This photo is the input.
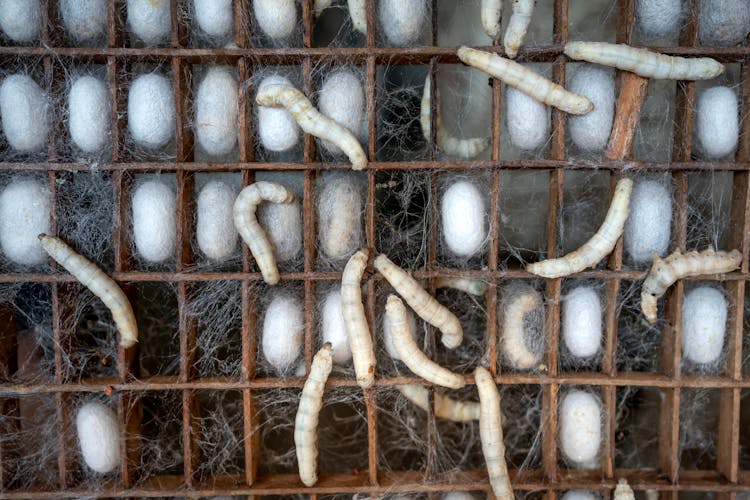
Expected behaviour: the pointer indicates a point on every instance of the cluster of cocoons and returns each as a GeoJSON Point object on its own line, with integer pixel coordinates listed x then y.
{"type": "Point", "coordinates": [649, 223]}
{"type": "Point", "coordinates": [582, 322]}
{"type": "Point", "coordinates": [85, 20]}
{"type": "Point", "coordinates": [527, 119]}
{"type": "Point", "coordinates": [98, 437]}
{"type": "Point", "coordinates": [150, 20]}
{"type": "Point", "coordinates": [717, 122]}
{"type": "Point", "coordinates": [339, 217]}
{"type": "Point", "coordinates": [283, 332]}
{"type": "Point", "coordinates": [89, 114]}
{"type": "Point", "coordinates": [24, 214]}
{"type": "Point", "coordinates": [277, 129]}
{"type": "Point", "coordinates": [402, 21]}
{"type": "Point", "coordinates": [216, 110]}
{"type": "Point", "coordinates": [723, 22]}
{"type": "Point", "coordinates": [20, 20]}
{"type": "Point", "coordinates": [24, 111]}
{"type": "Point", "coordinates": [277, 19]}
{"type": "Point", "coordinates": [463, 216]}
{"type": "Point", "coordinates": [590, 132]}
{"type": "Point", "coordinates": [659, 18]}
{"type": "Point", "coordinates": [151, 116]}
{"type": "Point", "coordinates": [343, 100]}
{"type": "Point", "coordinates": [154, 221]}
{"type": "Point", "coordinates": [214, 17]}
{"type": "Point", "coordinates": [215, 231]}
{"type": "Point", "coordinates": [704, 320]}
{"type": "Point", "coordinates": [580, 428]}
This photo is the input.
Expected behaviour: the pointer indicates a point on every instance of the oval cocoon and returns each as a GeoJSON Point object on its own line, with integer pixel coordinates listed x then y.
{"type": "Point", "coordinates": [215, 231]}
{"type": "Point", "coordinates": [527, 120]}
{"type": "Point", "coordinates": [723, 22]}
{"type": "Point", "coordinates": [717, 122]}
{"type": "Point", "coordinates": [333, 328]}
{"type": "Point", "coordinates": [24, 215]}
{"type": "Point", "coordinates": [19, 19]}
{"type": "Point", "coordinates": [402, 20]}
{"type": "Point", "coordinates": [659, 18]}
{"type": "Point", "coordinates": [150, 20]}
{"type": "Point", "coordinates": [98, 437]}
{"type": "Point", "coordinates": [649, 222]}
{"type": "Point", "coordinates": [343, 100]}
{"type": "Point", "coordinates": [580, 427]}
{"type": "Point", "coordinates": [582, 321]}
{"type": "Point", "coordinates": [276, 18]}
{"type": "Point", "coordinates": [340, 217]}
{"type": "Point", "coordinates": [214, 17]}
{"type": "Point", "coordinates": [84, 19]}
{"type": "Point", "coordinates": [216, 112]}
{"type": "Point", "coordinates": [704, 323]}
{"type": "Point", "coordinates": [591, 131]}
{"type": "Point", "coordinates": [388, 336]}
{"type": "Point", "coordinates": [88, 112]}
{"type": "Point", "coordinates": [283, 225]}
{"type": "Point", "coordinates": [283, 329]}
{"type": "Point", "coordinates": [463, 218]}
{"type": "Point", "coordinates": [23, 106]}
{"type": "Point", "coordinates": [151, 118]}
{"type": "Point", "coordinates": [276, 127]}
{"type": "Point", "coordinates": [154, 221]}
{"type": "Point", "coordinates": [580, 495]}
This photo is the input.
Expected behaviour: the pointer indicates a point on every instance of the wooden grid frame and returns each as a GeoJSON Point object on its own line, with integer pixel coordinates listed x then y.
{"type": "Point", "coordinates": [726, 479]}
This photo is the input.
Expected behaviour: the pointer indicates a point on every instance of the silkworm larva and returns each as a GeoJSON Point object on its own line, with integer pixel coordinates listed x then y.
{"type": "Point", "coordinates": [491, 434]}
{"type": "Point", "coordinates": [448, 143]}
{"type": "Point", "coordinates": [526, 80]}
{"type": "Point", "coordinates": [357, 329]}
{"type": "Point", "coordinates": [514, 331]}
{"type": "Point", "coordinates": [99, 283]}
{"type": "Point", "coordinates": [421, 302]}
{"type": "Point", "coordinates": [665, 272]}
{"type": "Point", "coordinates": [358, 13]}
{"type": "Point", "coordinates": [623, 491]}
{"type": "Point", "coordinates": [517, 26]}
{"type": "Point", "coordinates": [246, 223]}
{"type": "Point", "coordinates": [491, 13]}
{"type": "Point", "coordinates": [644, 62]}
{"type": "Point", "coordinates": [445, 407]}
{"type": "Point", "coordinates": [471, 286]}
{"type": "Point", "coordinates": [306, 421]}
{"type": "Point", "coordinates": [598, 247]}
{"type": "Point", "coordinates": [409, 352]}
{"type": "Point", "coordinates": [313, 121]}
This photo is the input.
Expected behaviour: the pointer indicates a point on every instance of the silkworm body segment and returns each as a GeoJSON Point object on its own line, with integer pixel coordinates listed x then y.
{"type": "Point", "coordinates": [357, 329]}
{"type": "Point", "coordinates": [445, 407]}
{"type": "Point", "coordinates": [491, 13]}
{"type": "Point", "coordinates": [518, 25]}
{"type": "Point", "coordinates": [491, 434]}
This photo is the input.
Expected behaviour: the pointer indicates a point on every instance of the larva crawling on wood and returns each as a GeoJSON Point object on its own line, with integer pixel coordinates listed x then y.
{"type": "Point", "coordinates": [491, 13]}
{"type": "Point", "coordinates": [472, 286]}
{"type": "Point", "coordinates": [513, 342]}
{"type": "Point", "coordinates": [355, 321]}
{"type": "Point", "coordinates": [100, 285]}
{"type": "Point", "coordinates": [313, 121]}
{"type": "Point", "coordinates": [644, 62]}
{"type": "Point", "coordinates": [446, 142]}
{"type": "Point", "coordinates": [623, 491]}
{"type": "Point", "coordinates": [599, 246]}
{"type": "Point", "coordinates": [306, 421]}
{"type": "Point", "coordinates": [665, 272]}
{"type": "Point", "coordinates": [526, 80]}
{"type": "Point", "coordinates": [409, 352]}
{"type": "Point", "coordinates": [445, 407]}
{"type": "Point", "coordinates": [246, 223]}
{"type": "Point", "coordinates": [517, 26]}
{"type": "Point", "coordinates": [421, 302]}
{"type": "Point", "coordinates": [491, 434]}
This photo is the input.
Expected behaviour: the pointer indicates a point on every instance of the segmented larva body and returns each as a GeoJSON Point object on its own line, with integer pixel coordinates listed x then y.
{"type": "Point", "coordinates": [517, 26]}
{"type": "Point", "coordinates": [472, 286]}
{"type": "Point", "coordinates": [100, 285]}
{"type": "Point", "coordinates": [526, 80]}
{"type": "Point", "coordinates": [358, 13]}
{"type": "Point", "coordinates": [491, 13]}
{"type": "Point", "coordinates": [246, 223]}
{"type": "Point", "coordinates": [599, 246]}
{"type": "Point", "coordinates": [306, 421]}
{"type": "Point", "coordinates": [313, 121]}
{"type": "Point", "coordinates": [446, 142]}
{"type": "Point", "coordinates": [623, 491]}
{"type": "Point", "coordinates": [644, 62]}
{"type": "Point", "coordinates": [665, 272]}
{"type": "Point", "coordinates": [513, 342]}
{"type": "Point", "coordinates": [421, 302]}
{"type": "Point", "coordinates": [445, 407]}
{"type": "Point", "coordinates": [355, 321]}
{"type": "Point", "coordinates": [409, 352]}
{"type": "Point", "coordinates": [491, 434]}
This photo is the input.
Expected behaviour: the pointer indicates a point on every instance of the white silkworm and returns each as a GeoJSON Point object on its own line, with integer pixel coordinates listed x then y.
{"type": "Point", "coordinates": [409, 352]}
{"type": "Point", "coordinates": [447, 142]}
{"type": "Point", "coordinates": [244, 210]}
{"type": "Point", "coordinates": [644, 62]}
{"type": "Point", "coordinates": [308, 413]}
{"type": "Point", "coordinates": [421, 302]}
{"type": "Point", "coordinates": [100, 285]}
{"type": "Point", "coordinates": [491, 434]}
{"type": "Point", "coordinates": [358, 13]}
{"type": "Point", "coordinates": [491, 12]}
{"type": "Point", "coordinates": [312, 121]}
{"type": "Point", "coordinates": [388, 336]}
{"type": "Point", "coordinates": [514, 336]}
{"type": "Point", "coordinates": [623, 491]}
{"type": "Point", "coordinates": [357, 329]}
{"type": "Point", "coordinates": [445, 407]}
{"type": "Point", "coordinates": [472, 286]}
{"type": "Point", "coordinates": [98, 437]}
{"type": "Point", "coordinates": [598, 247]}
{"type": "Point", "coordinates": [517, 26]}
{"type": "Point", "coordinates": [526, 80]}
{"type": "Point", "coordinates": [665, 272]}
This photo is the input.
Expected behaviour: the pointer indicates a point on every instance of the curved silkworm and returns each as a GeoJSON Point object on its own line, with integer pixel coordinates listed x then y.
{"type": "Point", "coordinates": [517, 26]}
{"type": "Point", "coordinates": [514, 339]}
{"type": "Point", "coordinates": [491, 434]}
{"type": "Point", "coordinates": [308, 413]}
{"type": "Point", "coordinates": [644, 62]}
{"type": "Point", "coordinates": [445, 407]}
{"type": "Point", "coordinates": [355, 321]}
{"type": "Point", "coordinates": [246, 223]}
{"type": "Point", "coordinates": [99, 283]}
{"type": "Point", "coordinates": [491, 12]}
{"type": "Point", "coordinates": [313, 121]}
{"type": "Point", "coordinates": [527, 81]}
{"type": "Point", "coordinates": [665, 272]}
{"type": "Point", "coordinates": [472, 286]}
{"type": "Point", "coordinates": [599, 246]}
